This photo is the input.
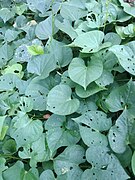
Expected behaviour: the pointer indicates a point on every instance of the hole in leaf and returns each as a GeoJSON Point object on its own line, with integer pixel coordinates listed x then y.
{"type": "Point", "coordinates": [90, 50]}
{"type": "Point", "coordinates": [113, 140]}
{"type": "Point", "coordinates": [16, 71]}
{"type": "Point", "coordinates": [30, 150]}
{"type": "Point", "coordinates": [71, 168]}
{"type": "Point", "coordinates": [84, 125]}
{"type": "Point", "coordinates": [24, 139]}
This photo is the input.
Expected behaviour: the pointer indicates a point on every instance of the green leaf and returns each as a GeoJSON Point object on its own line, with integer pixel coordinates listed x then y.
{"type": "Point", "coordinates": [91, 124]}
{"type": "Point", "coordinates": [48, 175]}
{"type": "Point", "coordinates": [6, 14]}
{"type": "Point", "coordinates": [118, 134]}
{"type": "Point", "coordinates": [11, 35]}
{"type": "Point", "coordinates": [73, 10]}
{"type": "Point", "coordinates": [25, 130]}
{"type": "Point", "coordinates": [41, 65]}
{"type": "Point", "coordinates": [104, 164]}
{"type": "Point", "coordinates": [37, 151]}
{"type": "Point", "coordinates": [44, 29]}
{"type": "Point", "coordinates": [121, 97]}
{"type": "Point", "coordinates": [66, 27]}
{"type": "Point", "coordinates": [35, 50]}
{"type": "Point", "coordinates": [60, 133]}
{"type": "Point", "coordinates": [66, 165]}
{"type": "Point", "coordinates": [40, 5]}
{"type": "Point", "coordinates": [89, 42]}
{"type": "Point", "coordinates": [2, 166]}
{"type": "Point", "coordinates": [113, 38]}
{"type": "Point", "coordinates": [125, 55]}
{"type": "Point", "coordinates": [15, 172]}
{"type": "Point", "coordinates": [20, 9]}
{"type": "Point", "coordinates": [105, 79]}
{"type": "Point", "coordinates": [14, 69]}
{"type": "Point", "coordinates": [22, 54]}
{"type": "Point", "coordinates": [3, 128]}
{"type": "Point", "coordinates": [6, 53]}
{"type": "Point", "coordinates": [26, 104]}
{"type": "Point", "coordinates": [82, 74]}
{"type": "Point", "coordinates": [87, 105]}
{"type": "Point", "coordinates": [128, 8]}
{"type": "Point", "coordinates": [62, 54]}
{"type": "Point", "coordinates": [125, 158]}
{"type": "Point", "coordinates": [10, 81]}
{"type": "Point", "coordinates": [9, 146]}
{"type": "Point", "coordinates": [59, 100]}
{"type": "Point", "coordinates": [37, 90]}
{"type": "Point", "coordinates": [133, 163]}
{"type": "Point", "coordinates": [91, 89]}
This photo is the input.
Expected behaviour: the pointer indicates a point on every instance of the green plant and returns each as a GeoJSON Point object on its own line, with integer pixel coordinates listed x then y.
{"type": "Point", "coordinates": [67, 89]}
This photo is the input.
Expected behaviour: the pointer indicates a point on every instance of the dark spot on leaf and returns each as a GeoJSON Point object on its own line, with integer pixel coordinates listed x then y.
{"type": "Point", "coordinates": [84, 125]}
{"type": "Point", "coordinates": [24, 139]}
{"type": "Point", "coordinates": [129, 59]}
{"type": "Point", "coordinates": [93, 174]}
{"type": "Point", "coordinates": [16, 71]}
{"type": "Point", "coordinates": [30, 150]}
{"type": "Point", "coordinates": [71, 168]}
{"type": "Point", "coordinates": [113, 140]}
{"type": "Point", "coordinates": [83, 31]}
{"type": "Point", "coordinates": [90, 50]}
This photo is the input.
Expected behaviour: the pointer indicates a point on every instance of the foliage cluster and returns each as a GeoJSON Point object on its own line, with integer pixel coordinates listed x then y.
{"type": "Point", "coordinates": [67, 89]}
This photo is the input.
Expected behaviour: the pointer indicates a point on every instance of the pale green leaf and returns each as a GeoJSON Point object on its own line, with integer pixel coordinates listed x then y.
{"type": "Point", "coordinates": [82, 74]}
{"type": "Point", "coordinates": [59, 100]}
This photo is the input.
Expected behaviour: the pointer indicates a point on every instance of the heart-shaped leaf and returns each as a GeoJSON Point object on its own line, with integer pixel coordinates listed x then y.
{"type": "Point", "coordinates": [93, 88]}
{"type": "Point", "coordinates": [126, 56]}
{"type": "Point", "coordinates": [59, 100]}
{"type": "Point", "coordinates": [104, 164]}
{"type": "Point", "coordinates": [91, 125]}
{"type": "Point", "coordinates": [60, 133]}
{"type": "Point", "coordinates": [90, 41]}
{"type": "Point", "coordinates": [82, 74]}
